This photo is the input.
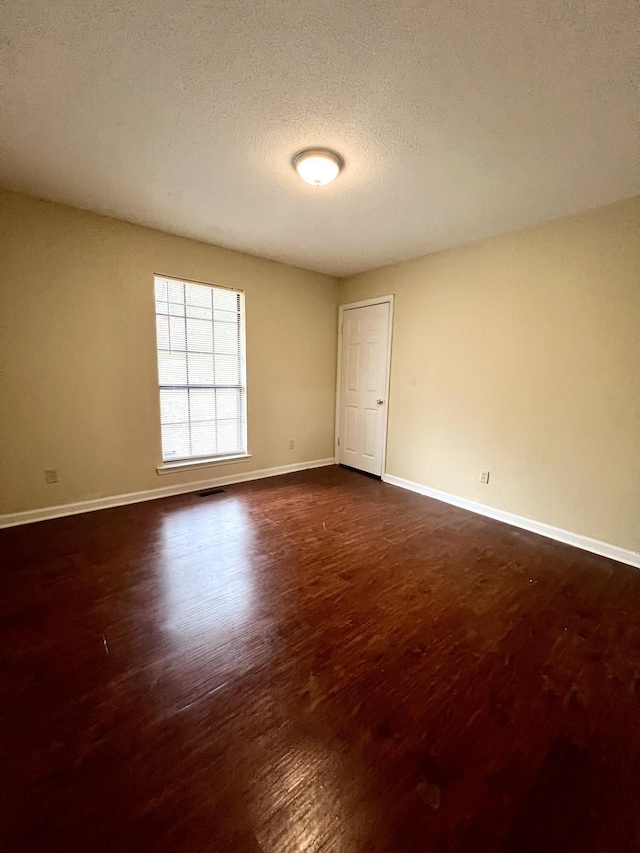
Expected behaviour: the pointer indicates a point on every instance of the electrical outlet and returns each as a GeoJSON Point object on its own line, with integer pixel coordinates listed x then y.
{"type": "Point", "coordinates": [50, 475]}
{"type": "Point", "coordinates": [292, 444]}
{"type": "Point", "coordinates": [484, 477]}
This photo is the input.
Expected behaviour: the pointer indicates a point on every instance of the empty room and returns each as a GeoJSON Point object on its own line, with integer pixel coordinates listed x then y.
{"type": "Point", "coordinates": [320, 427]}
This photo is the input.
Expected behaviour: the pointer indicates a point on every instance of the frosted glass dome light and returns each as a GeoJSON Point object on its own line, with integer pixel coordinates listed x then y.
{"type": "Point", "coordinates": [318, 166]}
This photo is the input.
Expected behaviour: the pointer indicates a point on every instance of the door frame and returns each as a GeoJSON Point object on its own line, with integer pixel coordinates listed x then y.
{"type": "Point", "coordinates": [363, 303]}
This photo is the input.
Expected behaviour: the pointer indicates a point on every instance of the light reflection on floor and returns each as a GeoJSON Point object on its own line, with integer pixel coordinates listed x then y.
{"type": "Point", "coordinates": [305, 794]}
{"type": "Point", "coordinates": [211, 592]}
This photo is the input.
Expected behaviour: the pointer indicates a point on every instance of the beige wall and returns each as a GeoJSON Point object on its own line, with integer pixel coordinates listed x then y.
{"type": "Point", "coordinates": [78, 380]}
{"type": "Point", "coordinates": [521, 355]}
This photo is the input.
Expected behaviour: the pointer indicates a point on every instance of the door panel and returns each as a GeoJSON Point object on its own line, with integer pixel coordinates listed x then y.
{"type": "Point", "coordinates": [373, 361]}
{"type": "Point", "coordinates": [353, 367]}
{"type": "Point", "coordinates": [370, 444]}
{"type": "Point", "coordinates": [363, 387]}
{"type": "Point", "coordinates": [351, 431]}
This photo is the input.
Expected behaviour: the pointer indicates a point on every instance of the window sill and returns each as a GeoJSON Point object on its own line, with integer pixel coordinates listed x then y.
{"type": "Point", "coordinates": [192, 464]}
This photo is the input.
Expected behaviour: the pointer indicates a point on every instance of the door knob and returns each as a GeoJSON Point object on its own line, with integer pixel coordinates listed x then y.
{"type": "Point", "coordinates": [379, 402]}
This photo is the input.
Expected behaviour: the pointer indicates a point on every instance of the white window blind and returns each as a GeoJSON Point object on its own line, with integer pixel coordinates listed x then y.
{"type": "Point", "coordinates": [201, 369]}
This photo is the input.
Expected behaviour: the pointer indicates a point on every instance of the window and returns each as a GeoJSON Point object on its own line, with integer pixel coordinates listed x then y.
{"type": "Point", "coordinates": [201, 370]}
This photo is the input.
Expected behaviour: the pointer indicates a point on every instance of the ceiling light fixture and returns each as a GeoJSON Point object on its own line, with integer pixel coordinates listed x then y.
{"type": "Point", "coordinates": [318, 166]}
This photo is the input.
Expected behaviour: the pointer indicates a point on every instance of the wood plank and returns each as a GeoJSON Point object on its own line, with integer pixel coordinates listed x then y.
{"type": "Point", "coordinates": [317, 662]}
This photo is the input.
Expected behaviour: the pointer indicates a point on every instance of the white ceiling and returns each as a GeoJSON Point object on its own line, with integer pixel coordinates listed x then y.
{"type": "Point", "coordinates": [457, 120]}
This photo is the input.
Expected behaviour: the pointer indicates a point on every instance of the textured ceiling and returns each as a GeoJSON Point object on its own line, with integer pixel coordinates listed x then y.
{"type": "Point", "coordinates": [457, 120]}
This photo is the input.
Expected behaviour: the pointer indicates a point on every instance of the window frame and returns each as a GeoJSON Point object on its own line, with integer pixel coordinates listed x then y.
{"type": "Point", "coordinates": [188, 462]}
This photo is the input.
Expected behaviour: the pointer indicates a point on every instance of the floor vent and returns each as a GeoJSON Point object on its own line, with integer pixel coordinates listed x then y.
{"type": "Point", "coordinates": [208, 492]}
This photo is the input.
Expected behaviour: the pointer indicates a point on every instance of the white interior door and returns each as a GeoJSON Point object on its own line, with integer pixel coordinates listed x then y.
{"type": "Point", "coordinates": [363, 387]}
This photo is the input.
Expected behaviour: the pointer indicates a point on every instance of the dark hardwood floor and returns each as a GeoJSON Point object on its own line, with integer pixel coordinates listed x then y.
{"type": "Point", "coordinates": [315, 662]}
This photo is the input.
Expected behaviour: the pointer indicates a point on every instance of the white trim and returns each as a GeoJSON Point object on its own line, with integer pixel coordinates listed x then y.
{"type": "Point", "coordinates": [595, 546]}
{"type": "Point", "coordinates": [13, 519]}
{"type": "Point", "coordinates": [363, 303]}
{"type": "Point", "coordinates": [183, 280]}
{"type": "Point", "coordinates": [189, 464]}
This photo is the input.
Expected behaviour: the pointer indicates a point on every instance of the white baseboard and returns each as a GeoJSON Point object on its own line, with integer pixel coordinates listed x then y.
{"type": "Point", "coordinates": [13, 519]}
{"type": "Point", "coordinates": [604, 549]}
